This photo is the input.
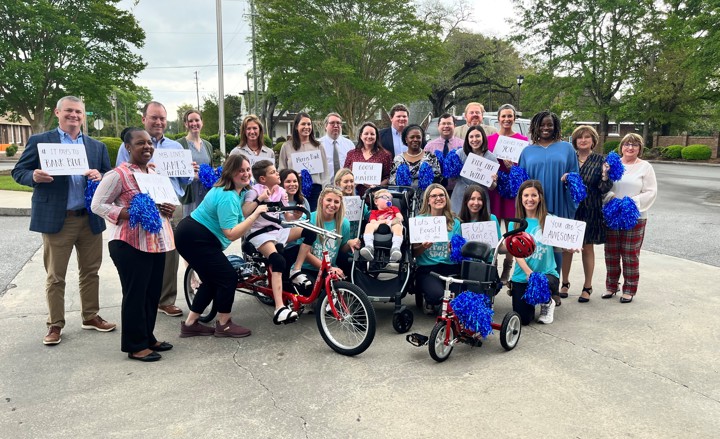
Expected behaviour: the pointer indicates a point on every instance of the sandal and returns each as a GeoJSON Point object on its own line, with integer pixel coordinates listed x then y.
{"type": "Point", "coordinates": [567, 287]}
{"type": "Point", "coordinates": [284, 315]}
{"type": "Point", "coordinates": [300, 279]}
{"type": "Point", "coordinates": [608, 295]}
{"type": "Point", "coordinates": [582, 299]}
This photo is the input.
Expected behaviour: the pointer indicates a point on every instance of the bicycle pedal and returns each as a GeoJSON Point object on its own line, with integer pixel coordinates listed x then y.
{"type": "Point", "coordinates": [417, 340]}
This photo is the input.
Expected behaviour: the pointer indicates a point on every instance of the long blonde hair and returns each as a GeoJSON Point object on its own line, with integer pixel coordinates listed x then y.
{"type": "Point", "coordinates": [339, 215]}
{"type": "Point", "coordinates": [447, 212]}
{"type": "Point", "coordinates": [541, 207]}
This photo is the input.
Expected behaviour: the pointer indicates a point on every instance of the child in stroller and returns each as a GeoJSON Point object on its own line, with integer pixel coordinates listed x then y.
{"type": "Point", "coordinates": [386, 213]}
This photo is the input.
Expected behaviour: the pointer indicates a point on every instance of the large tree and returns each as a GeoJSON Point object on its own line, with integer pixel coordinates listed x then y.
{"type": "Point", "coordinates": [211, 115]}
{"type": "Point", "coordinates": [51, 48]}
{"type": "Point", "coordinates": [353, 57]}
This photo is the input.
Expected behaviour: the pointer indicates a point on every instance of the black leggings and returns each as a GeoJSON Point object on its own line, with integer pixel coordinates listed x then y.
{"type": "Point", "coordinates": [203, 251]}
{"type": "Point", "coordinates": [431, 287]}
{"type": "Point", "coordinates": [527, 311]}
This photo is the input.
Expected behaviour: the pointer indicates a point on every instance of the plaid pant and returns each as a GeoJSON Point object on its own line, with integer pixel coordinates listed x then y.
{"type": "Point", "coordinates": [624, 244]}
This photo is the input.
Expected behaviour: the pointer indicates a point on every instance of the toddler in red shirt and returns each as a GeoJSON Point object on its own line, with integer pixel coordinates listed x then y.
{"type": "Point", "coordinates": [388, 214]}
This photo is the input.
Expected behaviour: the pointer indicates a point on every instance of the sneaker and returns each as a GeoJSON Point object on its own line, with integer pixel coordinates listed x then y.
{"type": "Point", "coordinates": [368, 253]}
{"type": "Point", "coordinates": [300, 279]}
{"type": "Point", "coordinates": [53, 335]}
{"type": "Point", "coordinates": [194, 330]}
{"type": "Point", "coordinates": [230, 329]}
{"type": "Point", "coordinates": [171, 310]}
{"type": "Point", "coordinates": [547, 311]}
{"type": "Point", "coordinates": [99, 324]}
{"type": "Point", "coordinates": [284, 315]}
{"type": "Point", "coordinates": [395, 254]}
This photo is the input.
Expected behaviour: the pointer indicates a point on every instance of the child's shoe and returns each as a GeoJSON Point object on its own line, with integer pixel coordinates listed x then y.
{"type": "Point", "coordinates": [368, 253]}
{"type": "Point", "coordinates": [395, 254]}
{"type": "Point", "coordinates": [284, 315]}
{"type": "Point", "coordinates": [547, 312]}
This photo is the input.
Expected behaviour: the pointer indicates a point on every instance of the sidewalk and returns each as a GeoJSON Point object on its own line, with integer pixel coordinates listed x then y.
{"type": "Point", "coordinates": [648, 369]}
{"type": "Point", "coordinates": [15, 203]}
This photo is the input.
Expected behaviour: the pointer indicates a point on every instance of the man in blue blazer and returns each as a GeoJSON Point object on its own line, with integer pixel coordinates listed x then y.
{"type": "Point", "coordinates": [59, 213]}
{"type": "Point", "coordinates": [391, 138]}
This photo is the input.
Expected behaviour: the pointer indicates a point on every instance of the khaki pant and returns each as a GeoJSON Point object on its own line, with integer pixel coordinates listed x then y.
{"type": "Point", "coordinates": [75, 233]}
{"type": "Point", "coordinates": [172, 262]}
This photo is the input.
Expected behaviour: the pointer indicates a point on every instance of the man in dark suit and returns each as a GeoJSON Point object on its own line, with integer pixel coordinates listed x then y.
{"type": "Point", "coordinates": [59, 213]}
{"type": "Point", "coordinates": [391, 138]}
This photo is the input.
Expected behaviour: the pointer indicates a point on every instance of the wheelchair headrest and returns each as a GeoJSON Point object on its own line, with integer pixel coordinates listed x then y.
{"type": "Point", "coordinates": [477, 250]}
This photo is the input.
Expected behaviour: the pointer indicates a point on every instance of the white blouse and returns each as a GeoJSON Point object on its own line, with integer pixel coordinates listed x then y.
{"type": "Point", "coordinates": [639, 183]}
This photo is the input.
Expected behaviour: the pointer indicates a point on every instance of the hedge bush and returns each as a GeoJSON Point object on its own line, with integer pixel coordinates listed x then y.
{"type": "Point", "coordinates": [611, 145]}
{"type": "Point", "coordinates": [696, 152]}
{"type": "Point", "coordinates": [113, 145]}
{"type": "Point", "coordinates": [230, 141]}
{"type": "Point", "coordinates": [671, 152]}
{"type": "Point", "coordinates": [268, 141]}
{"type": "Point", "coordinates": [11, 150]}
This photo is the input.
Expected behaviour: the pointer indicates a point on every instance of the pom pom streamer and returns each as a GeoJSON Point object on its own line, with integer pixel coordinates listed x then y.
{"type": "Point", "coordinates": [456, 243]}
{"type": "Point", "coordinates": [208, 176]}
{"type": "Point", "coordinates": [578, 191]}
{"type": "Point", "coordinates": [306, 183]}
{"type": "Point", "coordinates": [452, 165]}
{"type": "Point", "coordinates": [90, 192]}
{"type": "Point", "coordinates": [441, 159]}
{"type": "Point", "coordinates": [508, 183]}
{"type": "Point", "coordinates": [474, 312]}
{"type": "Point", "coordinates": [402, 175]}
{"type": "Point", "coordinates": [538, 289]}
{"type": "Point", "coordinates": [621, 214]}
{"type": "Point", "coordinates": [143, 211]}
{"type": "Point", "coordinates": [617, 169]}
{"type": "Point", "coordinates": [425, 176]}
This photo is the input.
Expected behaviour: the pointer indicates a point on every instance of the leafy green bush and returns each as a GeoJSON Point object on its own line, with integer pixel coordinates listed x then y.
{"type": "Point", "coordinates": [11, 150]}
{"type": "Point", "coordinates": [696, 152]}
{"type": "Point", "coordinates": [113, 145]}
{"type": "Point", "coordinates": [611, 145]}
{"type": "Point", "coordinates": [230, 141]}
{"type": "Point", "coordinates": [651, 153]}
{"type": "Point", "coordinates": [277, 147]}
{"type": "Point", "coordinates": [177, 136]}
{"type": "Point", "coordinates": [267, 141]}
{"type": "Point", "coordinates": [671, 152]}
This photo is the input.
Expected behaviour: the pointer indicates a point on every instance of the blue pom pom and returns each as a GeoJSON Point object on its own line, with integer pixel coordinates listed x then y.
{"type": "Point", "coordinates": [143, 211]}
{"type": "Point", "coordinates": [306, 183]}
{"type": "Point", "coordinates": [402, 175]}
{"type": "Point", "coordinates": [456, 243]}
{"type": "Point", "coordinates": [578, 191]}
{"type": "Point", "coordinates": [617, 169]}
{"type": "Point", "coordinates": [452, 165]}
{"type": "Point", "coordinates": [208, 176]}
{"type": "Point", "coordinates": [621, 214]}
{"type": "Point", "coordinates": [90, 192]}
{"type": "Point", "coordinates": [508, 183]}
{"type": "Point", "coordinates": [425, 176]}
{"type": "Point", "coordinates": [538, 289]}
{"type": "Point", "coordinates": [474, 312]}
{"type": "Point", "coordinates": [440, 158]}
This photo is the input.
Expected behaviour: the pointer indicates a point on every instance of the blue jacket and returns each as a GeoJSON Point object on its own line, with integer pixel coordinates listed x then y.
{"type": "Point", "coordinates": [49, 200]}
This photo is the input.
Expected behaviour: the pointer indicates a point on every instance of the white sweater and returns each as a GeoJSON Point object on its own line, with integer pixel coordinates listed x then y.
{"type": "Point", "coordinates": [639, 183]}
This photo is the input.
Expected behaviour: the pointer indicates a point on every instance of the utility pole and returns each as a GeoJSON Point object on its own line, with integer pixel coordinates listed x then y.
{"type": "Point", "coordinates": [255, 75]}
{"type": "Point", "coordinates": [197, 91]}
{"type": "Point", "coordinates": [221, 88]}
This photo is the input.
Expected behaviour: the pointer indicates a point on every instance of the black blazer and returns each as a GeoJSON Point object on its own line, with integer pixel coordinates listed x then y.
{"type": "Point", "coordinates": [386, 140]}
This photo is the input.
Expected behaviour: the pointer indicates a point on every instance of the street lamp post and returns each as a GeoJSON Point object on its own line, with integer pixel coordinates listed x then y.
{"type": "Point", "coordinates": [520, 79]}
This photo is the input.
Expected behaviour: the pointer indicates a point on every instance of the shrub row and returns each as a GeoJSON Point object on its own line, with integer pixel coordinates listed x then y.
{"type": "Point", "coordinates": [672, 152]}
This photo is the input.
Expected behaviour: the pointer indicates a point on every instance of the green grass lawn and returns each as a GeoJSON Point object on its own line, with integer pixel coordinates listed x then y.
{"type": "Point", "coordinates": [8, 184]}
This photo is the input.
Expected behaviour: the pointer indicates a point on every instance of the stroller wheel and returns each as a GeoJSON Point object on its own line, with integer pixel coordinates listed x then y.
{"type": "Point", "coordinates": [402, 321]}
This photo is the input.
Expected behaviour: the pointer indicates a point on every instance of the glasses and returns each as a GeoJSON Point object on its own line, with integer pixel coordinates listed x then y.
{"type": "Point", "coordinates": [384, 197]}
{"type": "Point", "coordinates": [434, 196]}
{"type": "Point", "coordinates": [631, 145]}
{"type": "Point", "coordinates": [335, 123]}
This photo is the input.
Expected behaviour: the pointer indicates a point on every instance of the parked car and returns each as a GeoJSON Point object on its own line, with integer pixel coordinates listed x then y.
{"type": "Point", "coordinates": [521, 126]}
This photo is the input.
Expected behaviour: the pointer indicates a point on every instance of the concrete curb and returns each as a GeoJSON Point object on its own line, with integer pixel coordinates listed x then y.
{"type": "Point", "coordinates": [14, 211]}
{"type": "Point", "coordinates": [684, 163]}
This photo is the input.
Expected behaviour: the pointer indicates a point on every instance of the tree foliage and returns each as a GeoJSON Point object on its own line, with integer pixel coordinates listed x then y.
{"type": "Point", "coordinates": [51, 48]}
{"type": "Point", "coordinates": [353, 57]}
{"type": "Point", "coordinates": [211, 115]}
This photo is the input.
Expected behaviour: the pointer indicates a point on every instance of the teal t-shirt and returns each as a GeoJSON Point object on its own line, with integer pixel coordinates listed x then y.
{"type": "Point", "coordinates": [439, 252]}
{"type": "Point", "coordinates": [220, 209]}
{"type": "Point", "coordinates": [331, 245]}
{"type": "Point", "coordinates": [543, 260]}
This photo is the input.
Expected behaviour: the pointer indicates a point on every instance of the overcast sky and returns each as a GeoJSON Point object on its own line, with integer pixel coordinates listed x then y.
{"type": "Point", "coordinates": [181, 39]}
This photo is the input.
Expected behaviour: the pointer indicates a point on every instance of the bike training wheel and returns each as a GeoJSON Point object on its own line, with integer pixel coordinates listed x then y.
{"type": "Point", "coordinates": [510, 331]}
{"type": "Point", "coordinates": [439, 351]}
{"type": "Point", "coordinates": [353, 333]}
{"type": "Point", "coordinates": [402, 321]}
{"type": "Point", "coordinates": [192, 282]}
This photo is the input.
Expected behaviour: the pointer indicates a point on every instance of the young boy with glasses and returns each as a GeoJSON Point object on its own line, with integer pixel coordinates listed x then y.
{"type": "Point", "coordinates": [388, 214]}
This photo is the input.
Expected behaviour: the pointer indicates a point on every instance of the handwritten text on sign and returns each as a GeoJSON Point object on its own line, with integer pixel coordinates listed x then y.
{"type": "Point", "coordinates": [509, 148]}
{"type": "Point", "coordinates": [158, 187]}
{"type": "Point", "coordinates": [353, 208]}
{"type": "Point", "coordinates": [479, 169]}
{"type": "Point", "coordinates": [367, 173]}
{"type": "Point", "coordinates": [63, 158]}
{"type": "Point", "coordinates": [484, 231]}
{"type": "Point", "coordinates": [428, 229]}
{"type": "Point", "coordinates": [174, 162]}
{"type": "Point", "coordinates": [563, 233]}
{"type": "Point", "coordinates": [310, 160]}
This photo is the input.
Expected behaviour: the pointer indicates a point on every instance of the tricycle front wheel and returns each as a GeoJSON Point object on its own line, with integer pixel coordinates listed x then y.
{"type": "Point", "coordinates": [352, 332]}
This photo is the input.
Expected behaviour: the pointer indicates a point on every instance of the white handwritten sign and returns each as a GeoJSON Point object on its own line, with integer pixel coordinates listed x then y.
{"type": "Point", "coordinates": [367, 173]}
{"type": "Point", "coordinates": [158, 187]}
{"type": "Point", "coordinates": [310, 160]}
{"type": "Point", "coordinates": [563, 232]}
{"type": "Point", "coordinates": [428, 229]}
{"type": "Point", "coordinates": [254, 159]}
{"type": "Point", "coordinates": [63, 158]}
{"type": "Point", "coordinates": [509, 148]}
{"type": "Point", "coordinates": [353, 208]}
{"type": "Point", "coordinates": [173, 162]}
{"type": "Point", "coordinates": [483, 231]}
{"type": "Point", "coordinates": [479, 169]}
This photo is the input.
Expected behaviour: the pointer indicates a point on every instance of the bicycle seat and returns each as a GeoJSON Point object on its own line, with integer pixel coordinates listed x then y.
{"type": "Point", "coordinates": [477, 250]}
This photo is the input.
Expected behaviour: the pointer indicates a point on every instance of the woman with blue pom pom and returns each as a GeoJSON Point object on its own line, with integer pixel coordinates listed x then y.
{"type": "Point", "coordinates": [413, 158]}
{"type": "Point", "coordinates": [476, 142]}
{"type": "Point", "coordinates": [137, 246]}
{"type": "Point", "coordinates": [639, 184]}
{"type": "Point", "coordinates": [594, 174]}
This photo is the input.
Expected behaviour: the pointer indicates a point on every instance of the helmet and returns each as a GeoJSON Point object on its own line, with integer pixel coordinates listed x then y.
{"type": "Point", "coordinates": [520, 245]}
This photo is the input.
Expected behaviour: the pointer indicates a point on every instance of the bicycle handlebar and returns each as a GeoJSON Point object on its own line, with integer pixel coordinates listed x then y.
{"type": "Point", "coordinates": [523, 226]}
{"type": "Point", "coordinates": [449, 280]}
{"type": "Point", "coordinates": [278, 207]}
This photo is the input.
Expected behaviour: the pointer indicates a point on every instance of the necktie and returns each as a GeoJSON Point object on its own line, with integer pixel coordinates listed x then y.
{"type": "Point", "coordinates": [336, 157]}
{"type": "Point", "coordinates": [446, 148]}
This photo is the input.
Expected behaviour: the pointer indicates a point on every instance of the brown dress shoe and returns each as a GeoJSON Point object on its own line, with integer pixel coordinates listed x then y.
{"type": "Point", "coordinates": [171, 310]}
{"type": "Point", "coordinates": [99, 324]}
{"type": "Point", "coordinates": [53, 336]}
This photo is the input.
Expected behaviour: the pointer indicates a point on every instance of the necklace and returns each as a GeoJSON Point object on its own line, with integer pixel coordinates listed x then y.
{"type": "Point", "coordinates": [414, 155]}
{"type": "Point", "coordinates": [582, 161]}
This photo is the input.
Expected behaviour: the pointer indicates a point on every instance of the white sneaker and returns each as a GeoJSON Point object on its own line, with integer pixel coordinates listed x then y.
{"type": "Point", "coordinates": [547, 312]}
{"type": "Point", "coordinates": [395, 254]}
